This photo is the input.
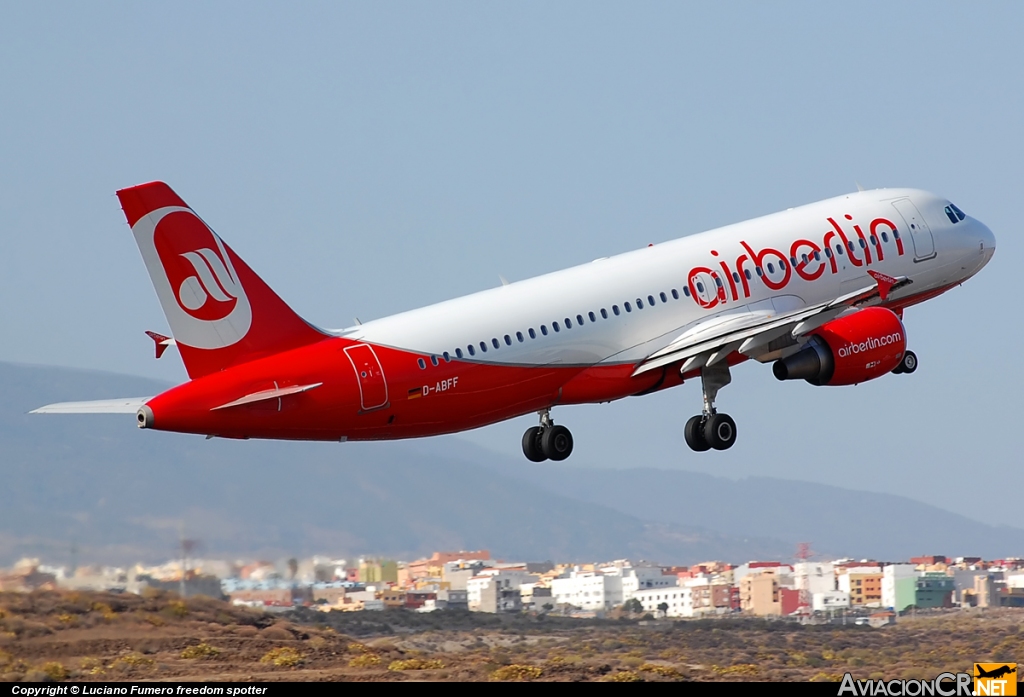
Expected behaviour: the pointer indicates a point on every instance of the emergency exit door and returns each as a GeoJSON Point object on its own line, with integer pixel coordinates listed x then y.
{"type": "Point", "coordinates": [373, 387]}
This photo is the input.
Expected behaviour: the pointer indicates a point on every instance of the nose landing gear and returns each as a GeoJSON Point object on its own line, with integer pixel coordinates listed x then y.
{"type": "Point", "coordinates": [907, 365]}
{"type": "Point", "coordinates": [547, 441]}
{"type": "Point", "coordinates": [711, 429]}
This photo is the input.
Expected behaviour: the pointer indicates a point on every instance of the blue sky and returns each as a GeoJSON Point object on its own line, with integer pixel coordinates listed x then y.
{"type": "Point", "coordinates": [370, 158]}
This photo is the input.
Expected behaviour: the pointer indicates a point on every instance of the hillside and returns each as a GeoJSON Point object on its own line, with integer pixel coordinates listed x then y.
{"type": "Point", "coordinates": [120, 494]}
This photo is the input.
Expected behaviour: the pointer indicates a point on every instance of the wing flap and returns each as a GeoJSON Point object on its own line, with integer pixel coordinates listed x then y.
{"type": "Point", "coordinates": [124, 405]}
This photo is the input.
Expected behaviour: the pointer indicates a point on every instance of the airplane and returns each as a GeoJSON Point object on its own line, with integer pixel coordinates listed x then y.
{"type": "Point", "coordinates": [818, 291]}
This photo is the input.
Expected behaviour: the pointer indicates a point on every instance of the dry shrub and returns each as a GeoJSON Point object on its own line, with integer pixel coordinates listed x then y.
{"type": "Point", "coordinates": [54, 671]}
{"type": "Point", "coordinates": [517, 672]}
{"type": "Point", "coordinates": [623, 676]}
{"type": "Point", "coordinates": [276, 633]}
{"type": "Point", "coordinates": [356, 647]}
{"type": "Point", "coordinates": [416, 664]}
{"type": "Point", "coordinates": [663, 671]}
{"type": "Point", "coordinates": [365, 660]}
{"type": "Point", "coordinates": [201, 651]}
{"type": "Point", "coordinates": [284, 656]}
{"type": "Point", "coordinates": [91, 666]}
{"type": "Point", "coordinates": [247, 631]}
{"type": "Point", "coordinates": [318, 642]}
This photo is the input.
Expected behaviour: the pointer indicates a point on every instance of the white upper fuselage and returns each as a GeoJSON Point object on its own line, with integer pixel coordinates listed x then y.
{"type": "Point", "coordinates": [936, 253]}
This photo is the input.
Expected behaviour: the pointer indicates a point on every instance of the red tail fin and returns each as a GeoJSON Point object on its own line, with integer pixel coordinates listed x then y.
{"type": "Point", "coordinates": [220, 312]}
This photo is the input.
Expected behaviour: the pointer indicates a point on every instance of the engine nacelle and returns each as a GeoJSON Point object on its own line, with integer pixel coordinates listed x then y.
{"type": "Point", "coordinates": [859, 347]}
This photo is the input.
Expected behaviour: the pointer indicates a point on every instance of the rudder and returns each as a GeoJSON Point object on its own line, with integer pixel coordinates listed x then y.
{"type": "Point", "coordinates": [219, 311]}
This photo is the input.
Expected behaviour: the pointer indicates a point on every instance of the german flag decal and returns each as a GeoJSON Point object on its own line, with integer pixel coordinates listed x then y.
{"type": "Point", "coordinates": [416, 393]}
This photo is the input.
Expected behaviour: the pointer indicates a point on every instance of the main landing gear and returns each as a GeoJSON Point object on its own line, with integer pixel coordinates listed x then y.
{"type": "Point", "coordinates": [710, 429]}
{"type": "Point", "coordinates": [547, 441]}
{"type": "Point", "coordinates": [907, 365]}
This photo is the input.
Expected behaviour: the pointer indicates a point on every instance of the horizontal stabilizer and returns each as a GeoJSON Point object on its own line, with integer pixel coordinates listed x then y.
{"type": "Point", "coordinates": [275, 393]}
{"type": "Point", "coordinates": [124, 405]}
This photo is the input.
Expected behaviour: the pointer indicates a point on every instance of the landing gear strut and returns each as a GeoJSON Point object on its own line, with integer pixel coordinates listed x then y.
{"type": "Point", "coordinates": [710, 429]}
{"type": "Point", "coordinates": [547, 441]}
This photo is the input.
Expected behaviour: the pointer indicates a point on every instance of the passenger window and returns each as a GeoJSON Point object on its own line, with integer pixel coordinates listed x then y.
{"type": "Point", "coordinates": [639, 304]}
{"type": "Point", "coordinates": [615, 309]}
{"type": "Point", "coordinates": [852, 248]}
{"type": "Point", "coordinates": [458, 353]}
{"type": "Point", "coordinates": [862, 244]}
{"type": "Point", "coordinates": [604, 313]}
{"type": "Point", "coordinates": [650, 299]}
{"type": "Point", "coordinates": [472, 351]}
{"type": "Point", "coordinates": [839, 249]}
{"type": "Point", "coordinates": [579, 319]}
{"type": "Point", "coordinates": [568, 323]}
{"type": "Point", "coordinates": [447, 357]}
{"type": "Point", "coordinates": [434, 361]}
{"type": "Point", "coordinates": [792, 261]}
{"type": "Point", "coordinates": [544, 329]}
{"type": "Point", "coordinates": [771, 267]}
{"type": "Point", "coordinates": [533, 334]}
{"type": "Point", "coordinates": [760, 271]}
{"type": "Point", "coordinates": [508, 340]}
{"type": "Point", "coordinates": [885, 237]}
{"type": "Point", "coordinates": [874, 240]}
{"type": "Point", "coordinates": [483, 347]}
{"type": "Point", "coordinates": [422, 363]}
{"type": "Point", "coordinates": [735, 277]}
{"type": "Point", "coordinates": [593, 317]}
{"type": "Point", "coordinates": [895, 234]}
{"type": "Point", "coordinates": [686, 291]}
{"type": "Point", "coordinates": [718, 281]}
{"type": "Point", "coordinates": [700, 287]}
{"type": "Point", "coordinates": [746, 272]}
{"type": "Point", "coordinates": [817, 257]}
{"type": "Point", "coordinates": [554, 325]}
{"type": "Point", "coordinates": [675, 294]}
{"type": "Point", "coordinates": [663, 297]}
{"type": "Point", "coordinates": [828, 252]}
{"type": "Point", "coordinates": [627, 307]}
{"type": "Point", "coordinates": [519, 337]}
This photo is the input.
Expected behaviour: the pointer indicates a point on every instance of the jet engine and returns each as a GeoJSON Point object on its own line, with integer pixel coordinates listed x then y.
{"type": "Point", "coordinates": [856, 348]}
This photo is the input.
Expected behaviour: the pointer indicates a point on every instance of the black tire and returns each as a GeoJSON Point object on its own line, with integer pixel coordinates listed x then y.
{"type": "Point", "coordinates": [693, 432]}
{"type": "Point", "coordinates": [720, 431]}
{"type": "Point", "coordinates": [531, 445]}
{"type": "Point", "coordinates": [898, 370]}
{"type": "Point", "coordinates": [909, 363]}
{"type": "Point", "coordinates": [556, 443]}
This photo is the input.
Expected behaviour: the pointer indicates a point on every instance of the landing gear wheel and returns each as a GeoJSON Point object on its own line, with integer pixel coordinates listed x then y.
{"type": "Point", "coordinates": [909, 364]}
{"type": "Point", "coordinates": [531, 445]}
{"type": "Point", "coordinates": [556, 443]}
{"type": "Point", "coordinates": [720, 431]}
{"type": "Point", "coordinates": [693, 432]}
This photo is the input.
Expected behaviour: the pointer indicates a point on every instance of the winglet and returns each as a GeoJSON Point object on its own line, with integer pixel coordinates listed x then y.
{"type": "Point", "coordinates": [161, 341]}
{"type": "Point", "coordinates": [885, 283]}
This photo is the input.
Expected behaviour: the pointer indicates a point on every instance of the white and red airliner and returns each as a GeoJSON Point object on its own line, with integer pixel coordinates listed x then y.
{"type": "Point", "coordinates": [819, 291]}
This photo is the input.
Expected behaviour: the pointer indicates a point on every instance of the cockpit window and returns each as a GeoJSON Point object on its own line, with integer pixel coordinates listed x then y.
{"type": "Point", "coordinates": [959, 213]}
{"type": "Point", "coordinates": [954, 214]}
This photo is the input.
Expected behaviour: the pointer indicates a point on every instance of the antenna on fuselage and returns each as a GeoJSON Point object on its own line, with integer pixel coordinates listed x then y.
{"type": "Point", "coordinates": [859, 187]}
{"type": "Point", "coordinates": [504, 281]}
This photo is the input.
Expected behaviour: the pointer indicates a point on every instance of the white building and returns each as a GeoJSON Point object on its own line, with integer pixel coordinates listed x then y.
{"type": "Point", "coordinates": [679, 600]}
{"type": "Point", "coordinates": [635, 578]}
{"type": "Point", "coordinates": [588, 590]}
{"type": "Point", "coordinates": [1015, 579]}
{"type": "Point", "coordinates": [497, 579]}
{"type": "Point", "coordinates": [814, 577]}
{"type": "Point", "coordinates": [890, 575]}
{"type": "Point", "coordinates": [825, 601]}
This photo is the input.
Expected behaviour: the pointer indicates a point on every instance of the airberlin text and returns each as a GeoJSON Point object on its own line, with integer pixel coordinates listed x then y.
{"type": "Point", "coordinates": [869, 345]}
{"type": "Point", "coordinates": [945, 685]}
{"type": "Point", "coordinates": [711, 287]}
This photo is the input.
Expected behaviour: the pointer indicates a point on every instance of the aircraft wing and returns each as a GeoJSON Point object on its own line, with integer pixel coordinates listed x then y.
{"type": "Point", "coordinates": [751, 331]}
{"type": "Point", "coordinates": [124, 405]}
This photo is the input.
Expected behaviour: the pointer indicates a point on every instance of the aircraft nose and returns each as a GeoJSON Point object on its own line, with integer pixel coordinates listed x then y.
{"type": "Point", "coordinates": [987, 240]}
